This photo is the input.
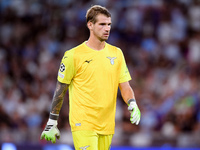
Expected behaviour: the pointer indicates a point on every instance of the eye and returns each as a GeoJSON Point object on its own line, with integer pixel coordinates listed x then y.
{"type": "Point", "coordinates": [102, 24]}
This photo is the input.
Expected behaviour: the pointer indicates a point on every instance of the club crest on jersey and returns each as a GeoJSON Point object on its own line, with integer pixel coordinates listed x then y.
{"type": "Point", "coordinates": [112, 60]}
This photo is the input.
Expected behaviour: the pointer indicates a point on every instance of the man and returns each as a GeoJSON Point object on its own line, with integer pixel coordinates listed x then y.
{"type": "Point", "coordinates": [92, 71]}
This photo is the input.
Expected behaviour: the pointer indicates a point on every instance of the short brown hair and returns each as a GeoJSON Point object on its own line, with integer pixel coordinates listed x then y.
{"type": "Point", "coordinates": [93, 11]}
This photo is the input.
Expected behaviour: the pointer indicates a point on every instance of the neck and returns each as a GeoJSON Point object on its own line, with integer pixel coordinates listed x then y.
{"type": "Point", "coordinates": [95, 44]}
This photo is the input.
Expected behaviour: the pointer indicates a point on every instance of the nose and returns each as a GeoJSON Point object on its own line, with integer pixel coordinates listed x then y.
{"type": "Point", "coordinates": [108, 27]}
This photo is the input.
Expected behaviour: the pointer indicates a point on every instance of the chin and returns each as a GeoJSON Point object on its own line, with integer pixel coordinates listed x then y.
{"type": "Point", "coordinates": [104, 39]}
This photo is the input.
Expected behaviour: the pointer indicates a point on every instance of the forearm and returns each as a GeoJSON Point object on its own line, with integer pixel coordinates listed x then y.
{"type": "Point", "coordinates": [58, 97]}
{"type": "Point", "coordinates": [126, 92]}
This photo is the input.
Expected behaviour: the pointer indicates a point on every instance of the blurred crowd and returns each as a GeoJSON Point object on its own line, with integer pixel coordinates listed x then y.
{"type": "Point", "coordinates": [161, 43]}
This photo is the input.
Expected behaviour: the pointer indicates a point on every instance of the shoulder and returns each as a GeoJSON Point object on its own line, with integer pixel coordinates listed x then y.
{"type": "Point", "coordinates": [71, 51]}
{"type": "Point", "coordinates": [114, 49]}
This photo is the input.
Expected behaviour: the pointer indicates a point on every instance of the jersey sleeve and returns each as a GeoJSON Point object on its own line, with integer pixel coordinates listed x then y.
{"type": "Point", "coordinates": [124, 74]}
{"type": "Point", "coordinates": [66, 71]}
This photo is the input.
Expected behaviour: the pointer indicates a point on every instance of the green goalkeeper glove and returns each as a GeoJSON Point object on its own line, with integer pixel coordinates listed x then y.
{"type": "Point", "coordinates": [51, 131]}
{"type": "Point", "coordinates": [135, 112]}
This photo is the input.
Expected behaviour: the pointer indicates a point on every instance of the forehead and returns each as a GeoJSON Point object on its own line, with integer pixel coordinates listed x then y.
{"type": "Point", "coordinates": [103, 19]}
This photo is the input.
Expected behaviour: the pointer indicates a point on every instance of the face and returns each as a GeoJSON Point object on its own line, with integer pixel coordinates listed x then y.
{"type": "Point", "coordinates": [101, 28]}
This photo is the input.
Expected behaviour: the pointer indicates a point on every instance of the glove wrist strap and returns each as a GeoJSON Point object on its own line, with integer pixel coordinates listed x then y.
{"type": "Point", "coordinates": [131, 100]}
{"type": "Point", "coordinates": [52, 122]}
{"type": "Point", "coordinates": [53, 116]}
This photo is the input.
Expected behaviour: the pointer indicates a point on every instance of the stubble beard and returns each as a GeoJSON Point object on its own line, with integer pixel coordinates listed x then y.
{"type": "Point", "coordinates": [103, 39]}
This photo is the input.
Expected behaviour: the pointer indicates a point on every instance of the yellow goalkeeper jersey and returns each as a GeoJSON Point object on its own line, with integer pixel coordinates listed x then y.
{"type": "Point", "coordinates": [93, 77]}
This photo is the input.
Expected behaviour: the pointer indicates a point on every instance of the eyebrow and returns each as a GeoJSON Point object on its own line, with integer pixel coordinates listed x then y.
{"type": "Point", "coordinates": [103, 23]}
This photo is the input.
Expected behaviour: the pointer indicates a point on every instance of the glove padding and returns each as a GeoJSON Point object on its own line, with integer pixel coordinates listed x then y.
{"type": "Point", "coordinates": [51, 131]}
{"type": "Point", "coordinates": [135, 113]}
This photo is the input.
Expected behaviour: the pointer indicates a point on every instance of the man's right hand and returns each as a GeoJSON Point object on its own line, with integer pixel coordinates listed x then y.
{"type": "Point", "coordinates": [51, 131]}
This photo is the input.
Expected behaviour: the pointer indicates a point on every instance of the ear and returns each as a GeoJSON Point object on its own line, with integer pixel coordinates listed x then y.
{"type": "Point", "coordinates": [90, 25]}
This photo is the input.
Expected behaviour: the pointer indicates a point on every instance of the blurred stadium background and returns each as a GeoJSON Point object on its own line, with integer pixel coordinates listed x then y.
{"type": "Point", "coordinates": [161, 43]}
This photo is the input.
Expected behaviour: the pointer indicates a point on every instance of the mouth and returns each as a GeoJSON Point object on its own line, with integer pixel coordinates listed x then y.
{"type": "Point", "coordinates": [106, 34]}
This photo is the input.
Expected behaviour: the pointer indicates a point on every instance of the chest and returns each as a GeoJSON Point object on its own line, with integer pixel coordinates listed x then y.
{"type": "Point", "coordinates": [98, 63]}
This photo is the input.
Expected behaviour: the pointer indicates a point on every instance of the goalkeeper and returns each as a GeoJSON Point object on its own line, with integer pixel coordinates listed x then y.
{"type": "Point", "coordinates": [92, 72]}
